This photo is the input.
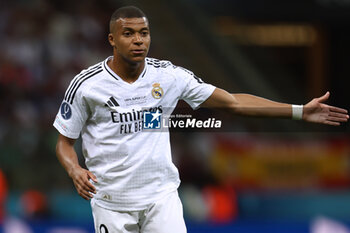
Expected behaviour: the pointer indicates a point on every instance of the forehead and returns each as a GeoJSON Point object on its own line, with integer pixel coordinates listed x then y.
{"type": "Point", "coordinates": [132, 23]}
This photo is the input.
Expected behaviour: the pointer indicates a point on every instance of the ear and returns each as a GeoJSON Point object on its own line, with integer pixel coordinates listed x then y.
{"type": "Point", "coordinates": [111, 39]}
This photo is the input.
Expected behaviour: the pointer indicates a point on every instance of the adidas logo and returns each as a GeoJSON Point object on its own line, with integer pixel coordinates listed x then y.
{"type": "Point", "coordinates": [112, 103]}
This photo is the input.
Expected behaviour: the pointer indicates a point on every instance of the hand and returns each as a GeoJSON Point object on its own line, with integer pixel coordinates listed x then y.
{"type": "Point", "coordinates": [84, 187]}
{"type": "Point", "coordinates": [317, 112]}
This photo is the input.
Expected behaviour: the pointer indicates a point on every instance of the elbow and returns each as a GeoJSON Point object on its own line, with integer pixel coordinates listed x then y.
{"type": "Point", "coordinates": [57, 148]}
{"type": "Point", "coordinates": [236, 109]}
{"type": "Point", "coordinates": [233, 105]}
{"type": "Point", "coordinates": [60, 144]}
{"type": "Point", "coordinates": [231, 108]}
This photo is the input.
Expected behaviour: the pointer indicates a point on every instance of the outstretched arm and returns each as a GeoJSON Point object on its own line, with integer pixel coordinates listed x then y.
{"type": "Point", "coordinates": [249, 105]}
{"type": "Point", "coordinates": [68, 158]}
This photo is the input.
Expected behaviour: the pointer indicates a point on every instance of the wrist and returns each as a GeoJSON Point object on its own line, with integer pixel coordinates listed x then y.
{"type": "Point", "coordinates": [297, 112]}
{"type": "Point", "coordinates": [72, 170]}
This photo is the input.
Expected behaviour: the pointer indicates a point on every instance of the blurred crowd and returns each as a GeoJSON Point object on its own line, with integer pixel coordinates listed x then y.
{"type": "Point", "coordinates": [44, 44]}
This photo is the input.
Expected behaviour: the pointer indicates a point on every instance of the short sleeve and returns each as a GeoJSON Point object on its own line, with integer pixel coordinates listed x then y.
{"type": "Point", "coordinates": [193, 90]}
{"type": "Point", "coordinates": [71, 117]}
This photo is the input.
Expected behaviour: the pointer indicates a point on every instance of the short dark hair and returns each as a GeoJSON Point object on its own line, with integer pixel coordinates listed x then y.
{"type": "Point", "coordinates": [125, 12]}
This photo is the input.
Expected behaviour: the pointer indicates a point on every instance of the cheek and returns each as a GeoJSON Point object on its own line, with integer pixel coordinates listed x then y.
{"type": "Point", "coordinates": [122, 44]}
{"type": "Point", "coordinates": [148, 42]}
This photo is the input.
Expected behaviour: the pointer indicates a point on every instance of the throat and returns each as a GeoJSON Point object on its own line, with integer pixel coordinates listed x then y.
{"type": "Point", "coordinates": [128, 72]}
{"type": "Point", "coordinates": [131, 75]}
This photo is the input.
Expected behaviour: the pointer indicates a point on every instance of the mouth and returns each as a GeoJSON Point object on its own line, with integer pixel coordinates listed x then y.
{"type": "Point", "coordinates": [138, 51]}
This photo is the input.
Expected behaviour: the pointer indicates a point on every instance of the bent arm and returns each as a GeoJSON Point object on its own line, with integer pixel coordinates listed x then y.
{"type": "Point", "coordinates": [67, 156]}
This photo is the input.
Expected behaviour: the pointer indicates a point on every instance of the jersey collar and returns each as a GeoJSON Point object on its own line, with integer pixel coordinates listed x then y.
{"type": "Point", "coordinates": [115, 76]}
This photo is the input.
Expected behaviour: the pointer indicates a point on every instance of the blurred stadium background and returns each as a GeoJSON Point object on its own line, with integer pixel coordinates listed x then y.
{"type": "Point", "coordinates": [260, 176]}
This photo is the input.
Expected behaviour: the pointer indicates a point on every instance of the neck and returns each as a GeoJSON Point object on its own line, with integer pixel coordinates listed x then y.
{"type": "Point", "coordinates": [126, 70]}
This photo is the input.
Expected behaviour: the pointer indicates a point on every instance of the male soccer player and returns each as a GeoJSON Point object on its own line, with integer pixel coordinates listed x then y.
{"type": "Point", "coordinates": [131, 180]}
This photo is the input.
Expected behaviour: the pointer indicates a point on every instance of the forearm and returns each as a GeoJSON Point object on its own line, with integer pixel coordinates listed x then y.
{"type": "Point", "coordinates": [250, 105]}
{"type": "Point", "coordinates": [247, 105]}
{"type": "Point", "coordinates": [68, 158]}
{"type": "Point", "coordinates": [66, 155]}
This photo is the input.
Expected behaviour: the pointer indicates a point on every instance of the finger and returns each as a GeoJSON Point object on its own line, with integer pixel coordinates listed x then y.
{"type": "Point", "coordinates": [340, 117]}
{"type": "Point", "coordinates": [337, 119]}
{"type": "Point", "coordinates": [90, 187]}
{"type": "Point", "coordinates": [336, 114]}
{"type": "Point", "coordinates": [85, 184]}
{"type": "Point", "coordinates": [85, 196]}
{"type": "Point", "coordinates": [85, 193]}
{"type": "Point", "coordinates": [324, 97]}
{"type": "Point", "coordinates": [331, 123]}
{"type": "Point", "coordinates": [336, 109]}
{"type": "Point", "coordinates": [92, 176]}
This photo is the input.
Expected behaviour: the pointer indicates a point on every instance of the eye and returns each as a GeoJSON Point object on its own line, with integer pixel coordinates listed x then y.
{"type": "Point", "coordinates": [127, 33]}
{"type": "Point", "coordinates": [144, 33]}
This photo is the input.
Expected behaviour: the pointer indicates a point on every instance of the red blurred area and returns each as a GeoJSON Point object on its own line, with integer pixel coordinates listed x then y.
{"type": "Point", "coordinates": [3, 195]}
{"type": "Point", "coordinates": [222, 204]}
{"type": "Point", "coordinates": [34, 203]}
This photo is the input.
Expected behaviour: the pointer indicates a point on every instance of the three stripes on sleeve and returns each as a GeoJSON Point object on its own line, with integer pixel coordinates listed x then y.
{"type": "Point", "coordinates": [79, 79]}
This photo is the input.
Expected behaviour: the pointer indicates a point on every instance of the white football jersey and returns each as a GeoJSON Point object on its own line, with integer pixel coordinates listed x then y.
{"type": "Point", "coordinates": [133, 166]}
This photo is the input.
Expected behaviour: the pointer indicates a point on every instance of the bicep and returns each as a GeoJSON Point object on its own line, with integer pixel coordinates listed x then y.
{"type": "Point", "coordinates": [220, 99]}
{"type": "Point", "coordinates": [64, 143]}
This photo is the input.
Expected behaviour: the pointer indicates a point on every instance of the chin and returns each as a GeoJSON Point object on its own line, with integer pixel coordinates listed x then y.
{"type": "Point", "coordinates": [137, 59]}
{"type": "Point", "coordinates": [134, 59]}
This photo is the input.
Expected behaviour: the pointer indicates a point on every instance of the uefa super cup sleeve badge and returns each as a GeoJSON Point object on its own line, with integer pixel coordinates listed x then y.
{"type": "Point", "coordinates": [66, 111]}
{"type": "Point", "coordinates": [157, 91]}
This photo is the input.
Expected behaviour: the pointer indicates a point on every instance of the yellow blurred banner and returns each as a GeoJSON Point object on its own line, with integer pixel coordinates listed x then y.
{"type": "Point", "coordinates": [282, 164]}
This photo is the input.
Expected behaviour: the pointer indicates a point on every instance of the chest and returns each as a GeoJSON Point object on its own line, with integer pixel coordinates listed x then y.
{"type": "Point", "coordinates": [158, 93]}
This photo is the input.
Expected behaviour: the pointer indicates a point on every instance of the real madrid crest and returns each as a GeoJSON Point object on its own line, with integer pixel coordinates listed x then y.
{"type": "Point", "coordinates": [157, 91]}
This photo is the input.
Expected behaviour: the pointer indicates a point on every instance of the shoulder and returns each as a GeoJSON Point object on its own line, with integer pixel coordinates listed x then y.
{"type": "Point", "coordinates": [90, 71]}
{"type": "Point", "coordinates": [167, 67]}
{"type": "Point", "coordinates": [158, 64]}
{"type": "Point", "coordinates": [82, 81]}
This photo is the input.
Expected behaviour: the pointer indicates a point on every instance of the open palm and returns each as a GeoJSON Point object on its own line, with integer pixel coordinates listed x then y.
{"type": "Point", "coordinates": [317, 112]}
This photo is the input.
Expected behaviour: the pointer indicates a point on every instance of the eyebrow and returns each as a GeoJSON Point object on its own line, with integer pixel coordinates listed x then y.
{"type": "Point", "coordinates": [132, 29]}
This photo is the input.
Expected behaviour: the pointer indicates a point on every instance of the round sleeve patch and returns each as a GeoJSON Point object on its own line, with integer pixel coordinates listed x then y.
{"type": "Point", "coordinates": [66, 111]}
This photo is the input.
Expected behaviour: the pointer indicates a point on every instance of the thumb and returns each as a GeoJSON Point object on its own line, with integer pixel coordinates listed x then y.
{"type": "Point", "coordinates": [324, 97]}
{"type": "Point", "coordinates": [92, 176]}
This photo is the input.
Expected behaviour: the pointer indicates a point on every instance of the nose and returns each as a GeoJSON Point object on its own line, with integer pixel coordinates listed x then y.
{"type": "Point", "coordinates": [138, 38]}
